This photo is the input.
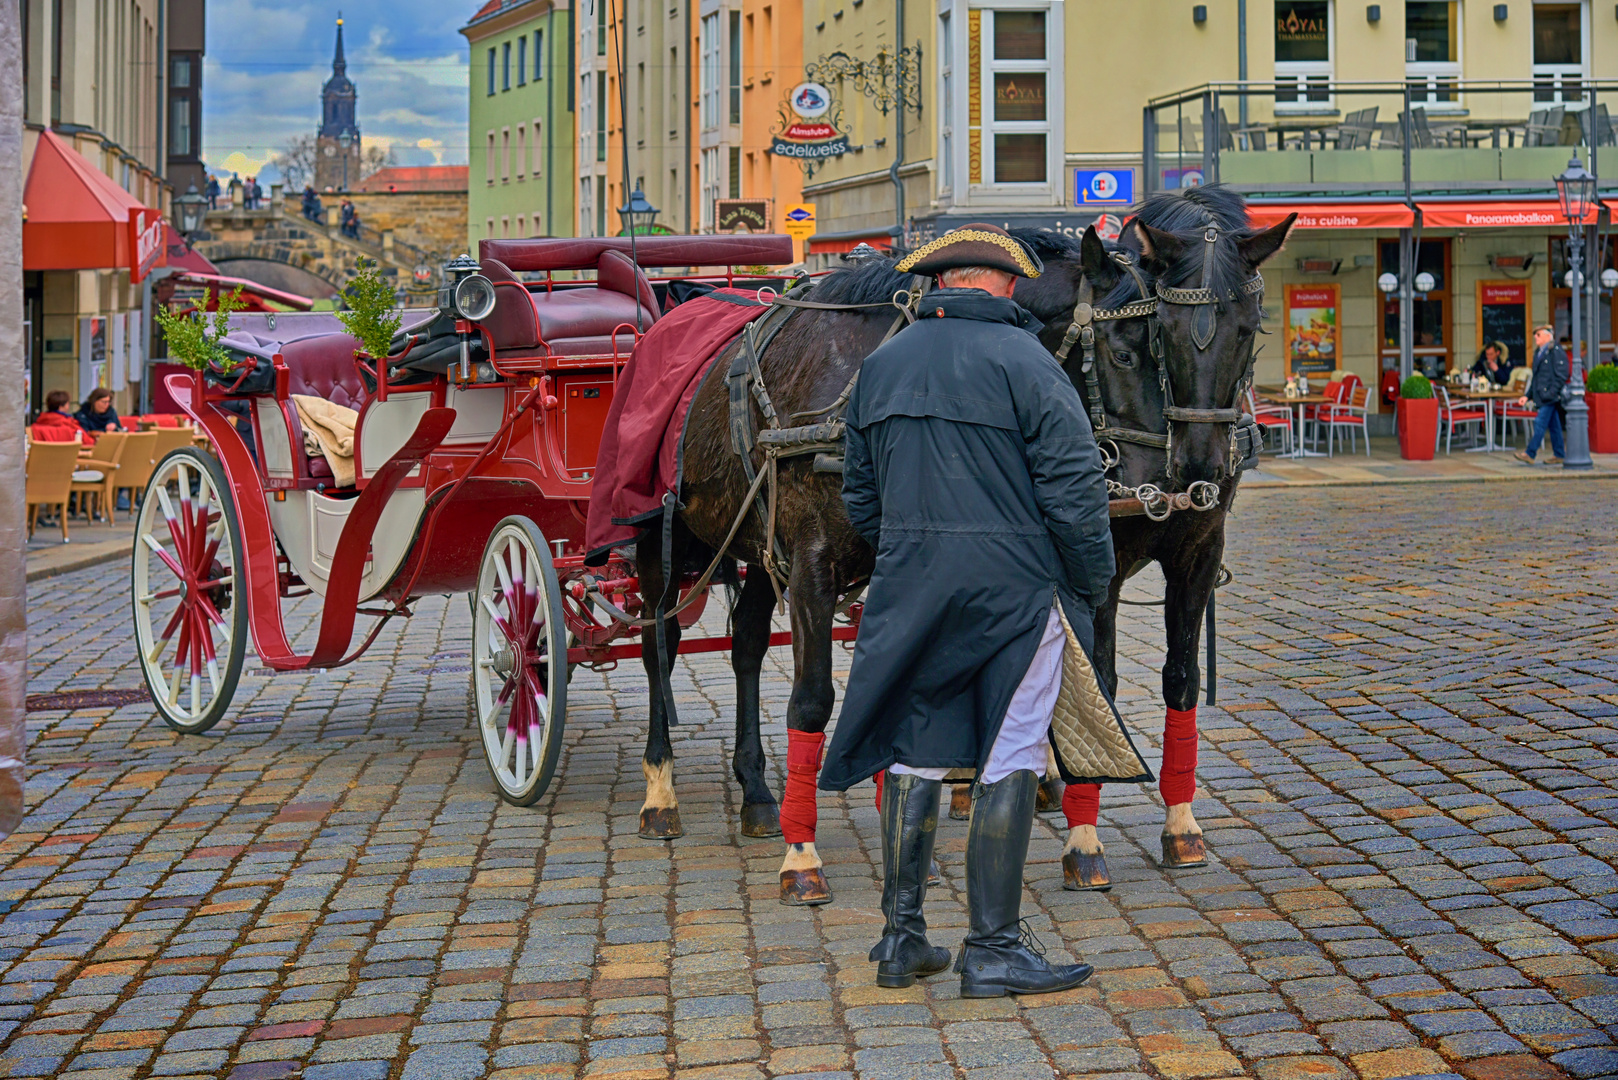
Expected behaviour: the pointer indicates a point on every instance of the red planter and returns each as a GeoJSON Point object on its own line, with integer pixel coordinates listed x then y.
{"type": "Point", "coordinates": [1418, 428]}
{"type": "Point", "coordinates": [1603, 423]}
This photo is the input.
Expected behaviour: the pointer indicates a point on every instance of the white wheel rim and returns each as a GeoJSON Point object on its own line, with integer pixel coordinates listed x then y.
{"type": "Point", "coordinates": [183, 558]}
{"type": "Point", "coordinates": [512, 662]}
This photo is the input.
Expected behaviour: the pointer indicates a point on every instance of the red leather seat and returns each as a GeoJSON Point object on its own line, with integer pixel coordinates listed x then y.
{"type": "Point", "coordinates": [571, 321]}
{"type": "Point", "coordinates": [321, 366]}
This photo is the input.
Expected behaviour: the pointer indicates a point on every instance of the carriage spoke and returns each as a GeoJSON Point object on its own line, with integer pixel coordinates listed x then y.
{"type": "Point", "coordinates": [174, 687]}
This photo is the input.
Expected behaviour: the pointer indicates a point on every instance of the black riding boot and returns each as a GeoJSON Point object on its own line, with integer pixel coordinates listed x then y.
{"type": "Point", "coordinates": [997, 959]}
{"type": "Point", "coordinates": [909, 821]}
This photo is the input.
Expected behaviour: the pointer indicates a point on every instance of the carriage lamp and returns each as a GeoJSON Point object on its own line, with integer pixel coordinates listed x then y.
{"type": "Point", "coordinates": [473, 298]}
{"type": "Point", "coordinates": [188, 211]}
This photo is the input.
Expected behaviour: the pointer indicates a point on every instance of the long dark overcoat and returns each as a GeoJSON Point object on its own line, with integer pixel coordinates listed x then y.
{"type": "Point", "coordinates": [972, 470]}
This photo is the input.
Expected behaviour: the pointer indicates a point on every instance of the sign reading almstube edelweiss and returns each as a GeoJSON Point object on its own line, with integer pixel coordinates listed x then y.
{"type": "Point", "coordinates": [806, 132]}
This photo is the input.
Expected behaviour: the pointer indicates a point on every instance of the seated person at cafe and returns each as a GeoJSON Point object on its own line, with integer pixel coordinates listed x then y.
{"type": "Point", "coordinates": [97, 414]}
{"type": "Point", "coordinates": [1494, 362]}
{"type": "Point", "coordinates": [56, 424]}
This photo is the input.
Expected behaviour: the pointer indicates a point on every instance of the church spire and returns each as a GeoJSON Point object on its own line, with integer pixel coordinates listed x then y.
{"type": "Point", "coordinates": [339, 66]}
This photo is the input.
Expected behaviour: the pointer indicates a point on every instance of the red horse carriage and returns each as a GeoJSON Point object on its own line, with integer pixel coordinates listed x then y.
{"type": "Point", "coordinates": [474, 451]}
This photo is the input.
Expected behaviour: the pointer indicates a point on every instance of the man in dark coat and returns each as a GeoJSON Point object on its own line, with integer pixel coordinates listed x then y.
{"type": "Point", "coordinates": [972, 470]}
{"type": "Point", "coordinates": [1551, 373]}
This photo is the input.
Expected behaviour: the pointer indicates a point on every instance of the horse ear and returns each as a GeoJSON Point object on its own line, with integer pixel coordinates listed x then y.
{"type": "Point", "coordinates": [1093, 258]}
{"type": "Point", "coordinates": [1157, 248]}
{"type": "Point", "coordinates": [1258, 248]}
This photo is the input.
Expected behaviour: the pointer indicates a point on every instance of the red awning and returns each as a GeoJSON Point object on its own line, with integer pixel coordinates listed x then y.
{"type": "Point", "coordinates": [1502, 214]}
{"type": "Point", "coordinates": [1386, 215]}
{"type": "Point", "coordinates": [78, 219]}
{"type": "Point", "coordinates": [843, 243]}
{"type": "Point", "coordinates": [1612, 209]}
{"type": "Point", "coordinates": [182, 256]}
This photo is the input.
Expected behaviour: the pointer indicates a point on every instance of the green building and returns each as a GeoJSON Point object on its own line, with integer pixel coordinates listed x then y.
{"type": "Point", "coordinates": [520, 123]}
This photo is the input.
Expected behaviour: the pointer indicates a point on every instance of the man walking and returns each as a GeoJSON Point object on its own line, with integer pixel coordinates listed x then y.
{"type": "Point", "coordinates": [1551, 374]}
{"type": "Point", "coordinates": [972, 470]}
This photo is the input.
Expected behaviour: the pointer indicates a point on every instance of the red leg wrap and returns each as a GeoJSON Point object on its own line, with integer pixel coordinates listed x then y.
{"type": "Point", "coordinates": [798, 810]}
{"type": "Point", "coordinates": [878, 779]}
{"type": "Point", "coordinates": [1081, 803]}
{"type": "Point", "coordinates": [1177, 781]}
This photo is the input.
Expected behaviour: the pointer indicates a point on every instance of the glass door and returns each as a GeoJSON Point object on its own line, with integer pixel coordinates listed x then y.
{"type": "Point", "coordinates": [1430, 317]}
{"type": "Point", "coordinates": [1558, 52]}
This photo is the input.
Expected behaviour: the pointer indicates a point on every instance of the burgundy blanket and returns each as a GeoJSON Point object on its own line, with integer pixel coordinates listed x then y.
{"type": "Point", "coordinates": [639, 460]}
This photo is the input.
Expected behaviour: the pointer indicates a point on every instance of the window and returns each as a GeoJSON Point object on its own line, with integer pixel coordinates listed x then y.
{"type": "Point", "coordinates": [601, 27]}
{"type": "Point", "coordinates": [709, 186]}
{"type": "Point", "coordinates": [505, 66]}
{"type": "Point", "coordinates": [1019, 116]}
{"type": "Point", "coordinates": [488, 160]}
{"type": "Point", "coordinates": [538, 166]}
{"type": "Point", "coordinates": [522, 229]}
{"type": "Point", "coordinates": [946, 96]}
{"type": "Point", "coordinates": [505, 228]}
{"type": "Point", "coordinates": [586, 206]}
{"type": "Point", "coordinates": [180, 127]}
{"type": "Point", "coordinates": [601, 116]}
{"type": "Point", "coordinates": [505, 155]}
{"type": "Point", "coordinates": [735, 177]}
{"type": "Point", "coordinates": [601, 203]}
{"type": "Point", "coordinates": [1558, 51]}
{"type": "Point", "coordinates": [539, 55]}
{"type": "Point", "coordinates": [640, 104]}
{"type": "Point", "coordinates": [520, 160]}
{"type": "Point", "coordinates": [1430, 314]}
{"type": "Point", "coordinates": [180, 73]}
{"type": "Point", "coordinates": [491, 72]}
{"type": "Point", "coordinates": [488, 228]}
{"type": "Point", "coordinates": [735, 67]}
{"type": "Point", "coordinates": [522, 63]}
{"type": "Point", "coordinates": [1432, 54]}
{"type": "Point", "coordinates": [710, 71]}
{"type": "Point", "coordinates": [1303, 36]}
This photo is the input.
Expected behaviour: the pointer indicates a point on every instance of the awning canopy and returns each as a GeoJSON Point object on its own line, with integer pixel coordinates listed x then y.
{"type": "Point", "coordinates": [257, 297]}
{"type": "Point", "coordinates": [78, 219]}
{"type": "Point", "coordinates": [1502, 214]}
{"type": "Point", "coordinates": [1383, 215]}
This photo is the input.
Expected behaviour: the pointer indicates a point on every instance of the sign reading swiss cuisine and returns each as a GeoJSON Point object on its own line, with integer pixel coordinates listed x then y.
{"type": "Point", "coordinates": [807, 132]}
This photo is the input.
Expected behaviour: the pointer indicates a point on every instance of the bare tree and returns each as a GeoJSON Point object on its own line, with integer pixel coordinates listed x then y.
{"type": "Point", "coordinates": [296, 161]}
{"type": "Point", "coordinates": [374, 158]}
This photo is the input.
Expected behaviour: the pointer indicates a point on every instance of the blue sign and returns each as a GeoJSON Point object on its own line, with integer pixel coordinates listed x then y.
{"type": "Point", "coordinates": [1104, 187]}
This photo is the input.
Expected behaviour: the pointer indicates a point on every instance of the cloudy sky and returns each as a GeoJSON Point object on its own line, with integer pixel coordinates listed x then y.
{"type": "Point", "coordinates": [267, 59]}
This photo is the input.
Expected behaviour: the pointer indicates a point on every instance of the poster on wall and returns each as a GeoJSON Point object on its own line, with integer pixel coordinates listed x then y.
{"type": "Point", "coordinates": [1313, 329]}
{"type": "Point", "coordinates": [92, 354]}
{"type": "Point", "coordinates": [1503, 308]}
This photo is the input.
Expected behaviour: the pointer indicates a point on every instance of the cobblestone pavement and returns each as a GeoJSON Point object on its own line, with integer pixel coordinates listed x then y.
{"type": "Point", "coordinates": [1408, 789]}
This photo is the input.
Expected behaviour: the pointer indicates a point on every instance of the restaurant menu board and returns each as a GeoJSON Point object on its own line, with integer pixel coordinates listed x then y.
{"type": "Point", "coordinates": [1313, 329]}
{"type": "Point", "coordinates": [1503, 316]}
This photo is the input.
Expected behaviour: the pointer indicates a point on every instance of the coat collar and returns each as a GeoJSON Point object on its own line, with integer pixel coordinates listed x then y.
{"type": "Point", "coordinates": [977, 305]}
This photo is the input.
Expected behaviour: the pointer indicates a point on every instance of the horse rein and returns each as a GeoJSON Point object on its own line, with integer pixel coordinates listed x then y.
{"type": "Point", "coordinates": [1201, 495]}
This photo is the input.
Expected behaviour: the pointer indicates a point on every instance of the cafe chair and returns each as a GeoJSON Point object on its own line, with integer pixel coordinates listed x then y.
{"type": "Point", "coordinates": [170, 439]}
{"type": "Point", "coordinates": [1336, 391]}
{"type": "Point", "coordinates": [49, 481]}
{"type": "Point", "coordinates": [1451, 416]}
{"type": "Point", "coordinates": [1356, 130]}
{"type": "Point", "coordinates": [98, 474]}
{"type": "Point", "coordinates": [1272, 418]}
{"type": "Point", "coordinates": [135, 468]}
{"type": "Point", "coordinates": [1351, 413]}
{"type": "Point", "coordinates": [1544, 127]}
{"type": "Point", "coordinates": [1511, 413]}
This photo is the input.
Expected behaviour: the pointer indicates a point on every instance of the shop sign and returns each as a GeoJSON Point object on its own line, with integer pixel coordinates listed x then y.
{"type": "Point", "coordinates": [1313, 329]}
{"type": "Point", "coordinates": [741, 215]}
{"type": "Point", "coordinates": [1101, 186]}
{"type": "Point", "coordinates": [799, 221]}
{"type": "Point", "coordinates": [1503, 308]}
{"type": "Point", "coordinates": [808, 126]}
{"type": "Point", "coordinates": [1072, 226]}
{"type": "Point", "coordinates": [1182, 178]}
{"type": "Point", "coordinates": [145, 242]}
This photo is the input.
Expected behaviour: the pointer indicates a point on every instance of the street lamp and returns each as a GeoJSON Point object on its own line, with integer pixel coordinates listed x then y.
{"type": "Point", "coordinates": [345, 140]}
{"type": "Point", "coordinates": [1576, 188]}
{"type": "Point", "coordinates": [189, 210]}
{"type": "Point", "coordinates": [638, 215]}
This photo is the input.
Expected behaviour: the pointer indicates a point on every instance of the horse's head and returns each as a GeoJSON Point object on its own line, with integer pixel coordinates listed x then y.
{"type": "Point", "coordinates": [1204, 259]}
{"type": "Point", "coordinates": [1119, 292]}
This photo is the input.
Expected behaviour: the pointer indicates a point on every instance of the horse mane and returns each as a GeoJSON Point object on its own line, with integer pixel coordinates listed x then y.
{"type": "Point", "coordinates": [1186, 212]}
{"type": "Point", "coordinates": [869, 281]}
{"type": "Point", "coordinates": [1058, 247]}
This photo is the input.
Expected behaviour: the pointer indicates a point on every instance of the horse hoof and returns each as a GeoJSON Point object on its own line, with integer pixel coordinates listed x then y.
{"type": "Point", "coordinates": [761, 820]}
{"type": "Point", "coordinates": [1049, 796]}
{"type": "Point", "coordinates": [661, 823]}
{"type": "Point", "coordinates": [960, 802]}
{"type": "Point", "coordinates": [934, 878]}
{"type": "Point", "coordinates": [1085, 873]}
{"type": "Point", "coordinates": [805, 888]}
{"type": "Point", "coordinates": [1184, 852]}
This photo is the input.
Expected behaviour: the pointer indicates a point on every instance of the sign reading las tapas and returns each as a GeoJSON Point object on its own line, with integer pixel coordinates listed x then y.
{"type": "Point", "coordinates": [805, 133]}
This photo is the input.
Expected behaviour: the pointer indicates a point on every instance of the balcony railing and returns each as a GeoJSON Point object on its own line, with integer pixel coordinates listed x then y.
{"type": "Point", "coordinates": [1430, 134]}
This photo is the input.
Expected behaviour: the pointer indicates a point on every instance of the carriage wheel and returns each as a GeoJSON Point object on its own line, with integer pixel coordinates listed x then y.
{"type": "Point", "coordinates": [519, 661]}
{"type": "Point", "coordinates": [190, 627]}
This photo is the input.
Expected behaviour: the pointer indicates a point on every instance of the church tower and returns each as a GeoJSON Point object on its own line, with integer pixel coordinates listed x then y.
{"type": "Point", "coordinates": [336, 166]}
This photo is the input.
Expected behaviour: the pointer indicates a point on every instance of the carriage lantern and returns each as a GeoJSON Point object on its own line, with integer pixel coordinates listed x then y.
{"type": "Point", "coordinates": [469, 296]}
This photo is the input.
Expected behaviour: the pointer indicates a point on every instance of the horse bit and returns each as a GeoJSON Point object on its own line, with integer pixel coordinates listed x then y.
{"type": "Point", "coordinates": [1201, 495]}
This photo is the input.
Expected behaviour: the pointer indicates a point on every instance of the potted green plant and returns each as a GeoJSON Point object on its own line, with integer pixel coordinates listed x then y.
{"type": "Point", "coordinates": [371, 316]}
{"type": "Point", "coordinates": [1601, 394]}
{"type": "Point", "coordinates": [193, 337]}
{"type": "Point", "coordinates": [1418, 419]}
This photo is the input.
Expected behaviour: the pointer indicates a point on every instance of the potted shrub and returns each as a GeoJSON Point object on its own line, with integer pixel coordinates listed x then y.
{"type": "Point", "coordinates": [193, 337]}
{"type": "Point", "coordinates": [1418, 419]}
{"type": "Point", "coordinates": [1601, 394]}
{"type": "Point", "coordinates": [371, 314]}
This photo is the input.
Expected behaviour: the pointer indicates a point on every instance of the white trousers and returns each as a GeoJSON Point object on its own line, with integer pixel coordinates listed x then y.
{"type": "Point", "coordinates": [1025, 734]}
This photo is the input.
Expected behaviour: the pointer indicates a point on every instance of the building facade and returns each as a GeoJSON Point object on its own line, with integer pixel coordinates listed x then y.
{"type": "Point", "coordinates": [599, 36]}
{"type": "Point", "coordinates": [108, 133]}
{"type": "Point", "coordinates": [337, 143]}
{"type": "Point", "coordinates": [524, 150]}
{"type": "Point", "coordinates": [661, 124]}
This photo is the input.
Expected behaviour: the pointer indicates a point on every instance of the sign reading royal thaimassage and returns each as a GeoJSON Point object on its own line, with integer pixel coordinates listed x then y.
{"type": "Point", "coordinates": [807, 132]}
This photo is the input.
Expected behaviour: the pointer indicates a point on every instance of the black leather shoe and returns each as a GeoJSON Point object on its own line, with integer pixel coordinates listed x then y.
{"type": "Point", "coordinates": [909, 824]}
{"type": "Point", "coordinates": [1000, 955]}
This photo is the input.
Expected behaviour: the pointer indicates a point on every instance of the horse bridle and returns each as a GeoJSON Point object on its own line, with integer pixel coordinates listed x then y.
{"type": "Point", "coordinates": [1201, 494]}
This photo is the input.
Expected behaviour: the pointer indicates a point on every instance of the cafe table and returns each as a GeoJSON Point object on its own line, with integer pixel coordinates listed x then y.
{"type": "Point", "coordinates": [1299, 403]}
{"type": "Point", "coordinates": [1488, 398]}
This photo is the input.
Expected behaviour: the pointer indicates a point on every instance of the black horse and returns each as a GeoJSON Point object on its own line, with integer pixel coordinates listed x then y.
{"type": "Point", "coordinates": [1188, 358]}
